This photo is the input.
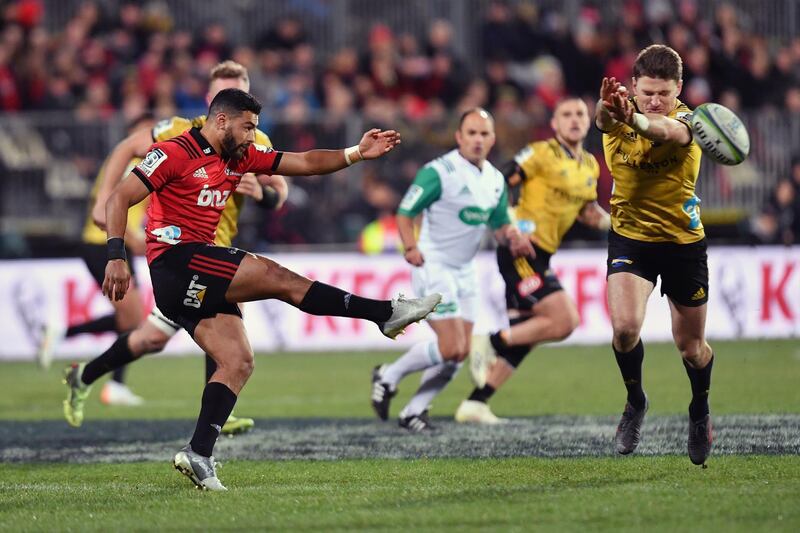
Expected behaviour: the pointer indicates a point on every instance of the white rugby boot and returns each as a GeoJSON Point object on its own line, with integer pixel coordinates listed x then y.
{"type": "Point", "coordinates": [116, 393]}
{"type": "Point", "coordinates": [475, 412]}
{"type": "Point", "coordinates": [201, 470]}
{"type": "Point", "coordinates": [407, 311]}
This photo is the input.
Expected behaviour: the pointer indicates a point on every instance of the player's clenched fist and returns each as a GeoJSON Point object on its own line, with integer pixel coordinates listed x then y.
{"type": "Point", "coordinates": [117, 280]}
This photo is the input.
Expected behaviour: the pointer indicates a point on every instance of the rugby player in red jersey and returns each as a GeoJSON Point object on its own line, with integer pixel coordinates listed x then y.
{"type": "Point", "coordinates": [197, 284]}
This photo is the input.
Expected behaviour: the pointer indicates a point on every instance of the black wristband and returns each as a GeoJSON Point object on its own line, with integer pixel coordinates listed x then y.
{"type": "Point", "coordinates": [116, 249]}
{"type": "Point", "coordinates": [270, 199]}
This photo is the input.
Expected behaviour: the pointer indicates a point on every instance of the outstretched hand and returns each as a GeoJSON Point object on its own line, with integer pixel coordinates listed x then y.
{"type": "Point", "coordinates": [614, 97]}
{"type": "Point", "coordinates": [376, 143]}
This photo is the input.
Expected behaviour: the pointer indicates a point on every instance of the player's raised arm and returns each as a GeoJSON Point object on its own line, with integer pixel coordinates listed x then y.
{"type": "Point", "coordinates": [602, 117]}
{"type": "Point", "coordinates": [373, 145]}
{"type": "Point", "coordinates": [134, 145]}
{"type": "Point", "coordinates": [654, 126]}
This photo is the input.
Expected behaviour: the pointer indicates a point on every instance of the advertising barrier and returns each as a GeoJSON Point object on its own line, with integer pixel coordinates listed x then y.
{"type": "Point", "coordinates": [754, 293]}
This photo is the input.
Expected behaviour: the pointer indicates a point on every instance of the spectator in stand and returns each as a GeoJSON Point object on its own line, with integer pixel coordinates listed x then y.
{"type": "Point", "coordinates": [129, 56]}
{"type": "Point", "coordinates": [284, 37]}
{"type": "Point", "coordinates": [776, 224]}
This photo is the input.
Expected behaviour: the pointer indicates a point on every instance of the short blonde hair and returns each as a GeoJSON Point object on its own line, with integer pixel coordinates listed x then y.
{"type": "Point", "coordinates": [229, 70]}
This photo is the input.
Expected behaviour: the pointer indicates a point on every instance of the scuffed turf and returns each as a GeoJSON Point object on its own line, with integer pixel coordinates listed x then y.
{"type": "Point", "coordinates": [333, 439]}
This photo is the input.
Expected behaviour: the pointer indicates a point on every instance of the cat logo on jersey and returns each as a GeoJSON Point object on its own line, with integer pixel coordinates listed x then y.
{"type": "Point", "coordinates": [194, 294]}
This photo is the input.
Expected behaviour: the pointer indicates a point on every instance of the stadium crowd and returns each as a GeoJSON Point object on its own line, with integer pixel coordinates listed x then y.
{"type": "Point", "coordinates": [134, 59]}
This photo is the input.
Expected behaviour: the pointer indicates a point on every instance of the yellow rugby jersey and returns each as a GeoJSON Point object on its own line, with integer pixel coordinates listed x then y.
{"type": "Point", "coordinates": [94, 235]}
{"type": "Point", "coordinates": [653, 196]}
{"type": "Point", "coordinates": [556, 186]}
{"type": "Point", "coordinates": [228, 225]}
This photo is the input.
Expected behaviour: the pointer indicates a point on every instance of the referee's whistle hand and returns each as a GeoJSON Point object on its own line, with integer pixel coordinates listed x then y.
{"type": "Point", "coordinates": [117, 279]}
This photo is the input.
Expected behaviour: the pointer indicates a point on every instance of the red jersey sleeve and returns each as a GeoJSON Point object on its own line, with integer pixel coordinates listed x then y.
{"type": "Point", "coordinates": [158, 167]}
{"type": "Point", "coordinates": [262, 159]}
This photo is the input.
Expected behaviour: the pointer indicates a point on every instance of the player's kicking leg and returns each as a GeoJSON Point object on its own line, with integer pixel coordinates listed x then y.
{"type": "Point", "coordinates": [259, 278]}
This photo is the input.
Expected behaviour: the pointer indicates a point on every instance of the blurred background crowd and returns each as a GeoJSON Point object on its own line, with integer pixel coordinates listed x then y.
{"type": "Point", "coordinates": [72, 74]}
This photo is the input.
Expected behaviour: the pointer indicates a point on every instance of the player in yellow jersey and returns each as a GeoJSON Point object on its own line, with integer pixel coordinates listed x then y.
{"type": "Point", "coordinates": [128, 312]}
{"type": "Point", "coordinates": [558, 181]}
{"type": "Point", "coordinates": [655, 232]}
{"type": "Point", "coordinates": [270, 191]}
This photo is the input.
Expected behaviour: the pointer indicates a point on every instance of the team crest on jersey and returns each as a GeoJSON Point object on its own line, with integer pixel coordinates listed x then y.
{"type": "Point", "coordinates": [151, 161]}
{"type": "Point", "coordinates": [529, 285]}
{"type": "Point", "coordinates": [194, 294]}
{"type": "Point", "coordinates": [229, 172]}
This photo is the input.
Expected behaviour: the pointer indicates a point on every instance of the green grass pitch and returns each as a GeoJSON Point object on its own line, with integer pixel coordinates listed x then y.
{"type": "Point", "coordinates": [661, 493]}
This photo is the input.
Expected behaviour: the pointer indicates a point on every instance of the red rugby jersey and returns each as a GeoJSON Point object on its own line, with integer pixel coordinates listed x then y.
{"type": "Point", "coordinates": [190, 184]}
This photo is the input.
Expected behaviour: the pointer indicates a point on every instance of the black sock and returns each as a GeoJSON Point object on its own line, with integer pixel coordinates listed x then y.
{"type": "Point", "coordinates": [217, 404]}
{"type": "Point", "coordinates": [700, 378]}
{"type": "Point", "coordinates": [98, 325]}
{"type": "Point", "coordinates": [630, 365]}
{"type": "Point", "coordinates": [325, 300]}
{"type": "Point", "coordinates": [119, 374]}
{"type": "Point", "coordinates": [512, 354]}
{"type": "Point", "coordinates": [497, 341]}
{"type": "Point", "coordinates": [211, 367]}
{"type": "Point", "coordinates": [117, 356]}
{"type": "Point", "coordinates": [482, 395]}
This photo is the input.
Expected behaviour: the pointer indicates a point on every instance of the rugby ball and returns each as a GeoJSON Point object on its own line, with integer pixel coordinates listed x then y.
{"type": "Point", "coordinates": [720, 134]}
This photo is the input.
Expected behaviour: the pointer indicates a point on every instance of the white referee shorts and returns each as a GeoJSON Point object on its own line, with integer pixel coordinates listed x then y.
{"type": "Point", "coordinates": [457, 285]}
